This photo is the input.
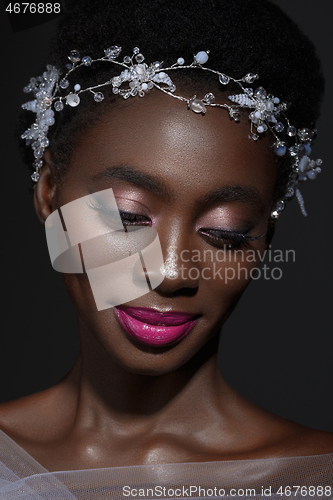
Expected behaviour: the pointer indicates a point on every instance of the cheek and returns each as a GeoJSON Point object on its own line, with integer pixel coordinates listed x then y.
{"type": "Point", "coordinates": [80, 294]}
{"type": "Point", "coordinates": [222, 276]}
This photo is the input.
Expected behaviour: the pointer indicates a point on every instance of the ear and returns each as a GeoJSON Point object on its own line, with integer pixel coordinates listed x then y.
{"type": "Point", "coordinates": [45, 189]}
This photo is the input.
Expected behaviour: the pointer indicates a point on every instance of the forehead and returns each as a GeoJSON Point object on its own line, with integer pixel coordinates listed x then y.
{"type": "Point", "coordinates": [160, 136]}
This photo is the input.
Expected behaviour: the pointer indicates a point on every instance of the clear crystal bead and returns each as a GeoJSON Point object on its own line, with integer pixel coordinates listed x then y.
{"type": "Point", "coordinates": [127, 59]}
{"type": "Point", "coordinates": [250, 78]}
{"type": "Point", "coordinates": [280, 205]}
{"type": "Point", "coordinates": [35, 176]}
{"type": "Point", "coordinates": [157, 65]}
{"type": "Point", "coordinates": [139, 58]}
{"type": "Point", "coordinates": [275, 214]}
{"type": "Point", "coordinates": [116, 81]}
{"type": "Point", "coordinates": [291, 131]}
{"type": "Point", "coordinates": [58, 105]}
{"type": "Point", "coordinates": [98, 96]}
{"type": "Point", "coordinates": [279, 127]}
{"type": "Point", "coordinates": [235, 115]}
{"type": "Point", "coordinates": [140, 93]}
{"type": "Point", "coordinates": [261, 93]}
{"type": "Point", "coordinates": [172, 87]}
{"type": "Point", "coordinates": [255, 137]}
{"type": "Point", "coordinates": [74, 56]}
{"type": "Point", "coordinates": [136, 50]}
{"type": "Point", "coordinates": [115, 90]}
{"type": "Point", "coordinates": [293, 151]}
{"type": "Point", "coordinates": [38, 153]}
{"type": "Point", "coordinates": [64, 83]}
{"type": "Point", "coordinates": [112, 52]}
{"type": "Point", "coordinates": [150, 85]}
{"type": "Point", "coordinates": [224, 79]}
{"type": "Point", "coordinates": [44, 142]}
{"type": "Point", "coordinates": [73, 100]}
{"type": "Point", "coordinates": [319, 162]}
{"type": "Point", "coordinates": [38, 164]}
{"type": "Point", "coordinates": [209, 98]}
{"type": "Point", "coordinates": [249, 92]}
{"type": "Point", "coordinates": [180, 61]}
{"type": "Point", "coordinates": [87, 61]}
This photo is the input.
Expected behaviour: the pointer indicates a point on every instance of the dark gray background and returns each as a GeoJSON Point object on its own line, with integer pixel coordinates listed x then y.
{"type": "Point", "coordinates": [276, 348]}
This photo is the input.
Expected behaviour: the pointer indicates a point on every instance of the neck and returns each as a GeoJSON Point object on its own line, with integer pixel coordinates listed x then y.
{"type": "Point", "coordinates": [108, 395]}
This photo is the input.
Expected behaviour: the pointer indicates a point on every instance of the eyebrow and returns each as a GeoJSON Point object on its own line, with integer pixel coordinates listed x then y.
{"type": "Point", "coordinates": [247, 194]}
{"type": "Point", "coordinates": [134, 176]}
{"type": "Point", "coordinates": [128, 173]}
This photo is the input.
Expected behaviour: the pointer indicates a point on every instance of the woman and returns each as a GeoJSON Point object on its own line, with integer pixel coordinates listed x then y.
{"type": "Point", "coordinates": [203, 185]}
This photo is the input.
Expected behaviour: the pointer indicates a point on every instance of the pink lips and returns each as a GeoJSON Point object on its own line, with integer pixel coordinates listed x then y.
{"type": "Point", "coordinates": [151, 327]}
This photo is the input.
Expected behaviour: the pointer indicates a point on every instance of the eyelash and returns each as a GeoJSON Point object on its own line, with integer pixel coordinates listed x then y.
{"type": "Point", "coordinates": [231, 240]}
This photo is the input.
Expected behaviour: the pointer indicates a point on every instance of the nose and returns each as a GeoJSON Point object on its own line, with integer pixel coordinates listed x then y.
{"type": "Point", "coordinates": [180, 274]}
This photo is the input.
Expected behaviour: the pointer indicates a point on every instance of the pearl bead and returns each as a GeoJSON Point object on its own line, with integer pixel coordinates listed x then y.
{"type": "Point", "coordinates": [201, 57]}
{"type": "Point", "coordinates": [197, 106]}
{"type": "Point", "coordinates": [73, 100]}
{"type": "Point", "coordinates": [312, 174]}
{"type": "Point", "coordinates": [49, 120]}
{"type": "Point", "coordinates": [303, 163]}
{"type": "Point", "coordinates": [280, 150]}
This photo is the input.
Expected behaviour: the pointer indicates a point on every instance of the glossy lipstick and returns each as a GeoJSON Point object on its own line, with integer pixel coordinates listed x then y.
{"type": "Point", "coordinates": [154, 328]}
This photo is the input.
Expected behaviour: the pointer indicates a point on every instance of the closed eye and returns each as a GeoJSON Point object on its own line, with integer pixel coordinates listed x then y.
{"type": "Point", "coordinates": [228, 240]}
{"type": "Point", "coordinates": [111, 215]}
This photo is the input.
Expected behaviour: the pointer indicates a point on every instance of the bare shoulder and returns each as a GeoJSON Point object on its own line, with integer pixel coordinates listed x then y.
{"type": "Point", "coordinates": [298, 440]}
{"type": "Point", "coordinates": [35, 417]}
{"type": "Point", "coordinates": [311, 442]}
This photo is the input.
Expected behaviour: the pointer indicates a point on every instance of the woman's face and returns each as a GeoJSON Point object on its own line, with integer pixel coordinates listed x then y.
{"type": "Point", "coordinates": [203, 185]}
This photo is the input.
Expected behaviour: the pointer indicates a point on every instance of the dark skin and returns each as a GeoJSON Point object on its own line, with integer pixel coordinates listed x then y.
{"type": "Point", "coordinates": [124, 403]}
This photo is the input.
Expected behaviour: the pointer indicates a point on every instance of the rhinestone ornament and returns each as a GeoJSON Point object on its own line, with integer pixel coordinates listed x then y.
{"type": "Point", "coordinates": [98, 96]}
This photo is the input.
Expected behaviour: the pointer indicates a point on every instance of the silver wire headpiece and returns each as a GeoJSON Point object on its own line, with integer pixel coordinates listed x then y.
{"type": "Point", "coordinates": [266, 112]}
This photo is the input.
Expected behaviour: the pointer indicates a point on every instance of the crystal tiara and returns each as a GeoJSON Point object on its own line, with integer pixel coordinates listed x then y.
{"type": "Point", "coordinates": [266, 112]}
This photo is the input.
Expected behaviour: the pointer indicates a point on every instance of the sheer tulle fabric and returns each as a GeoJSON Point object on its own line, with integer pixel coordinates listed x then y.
{"type": "Point", "coordinates": [22, 478]}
